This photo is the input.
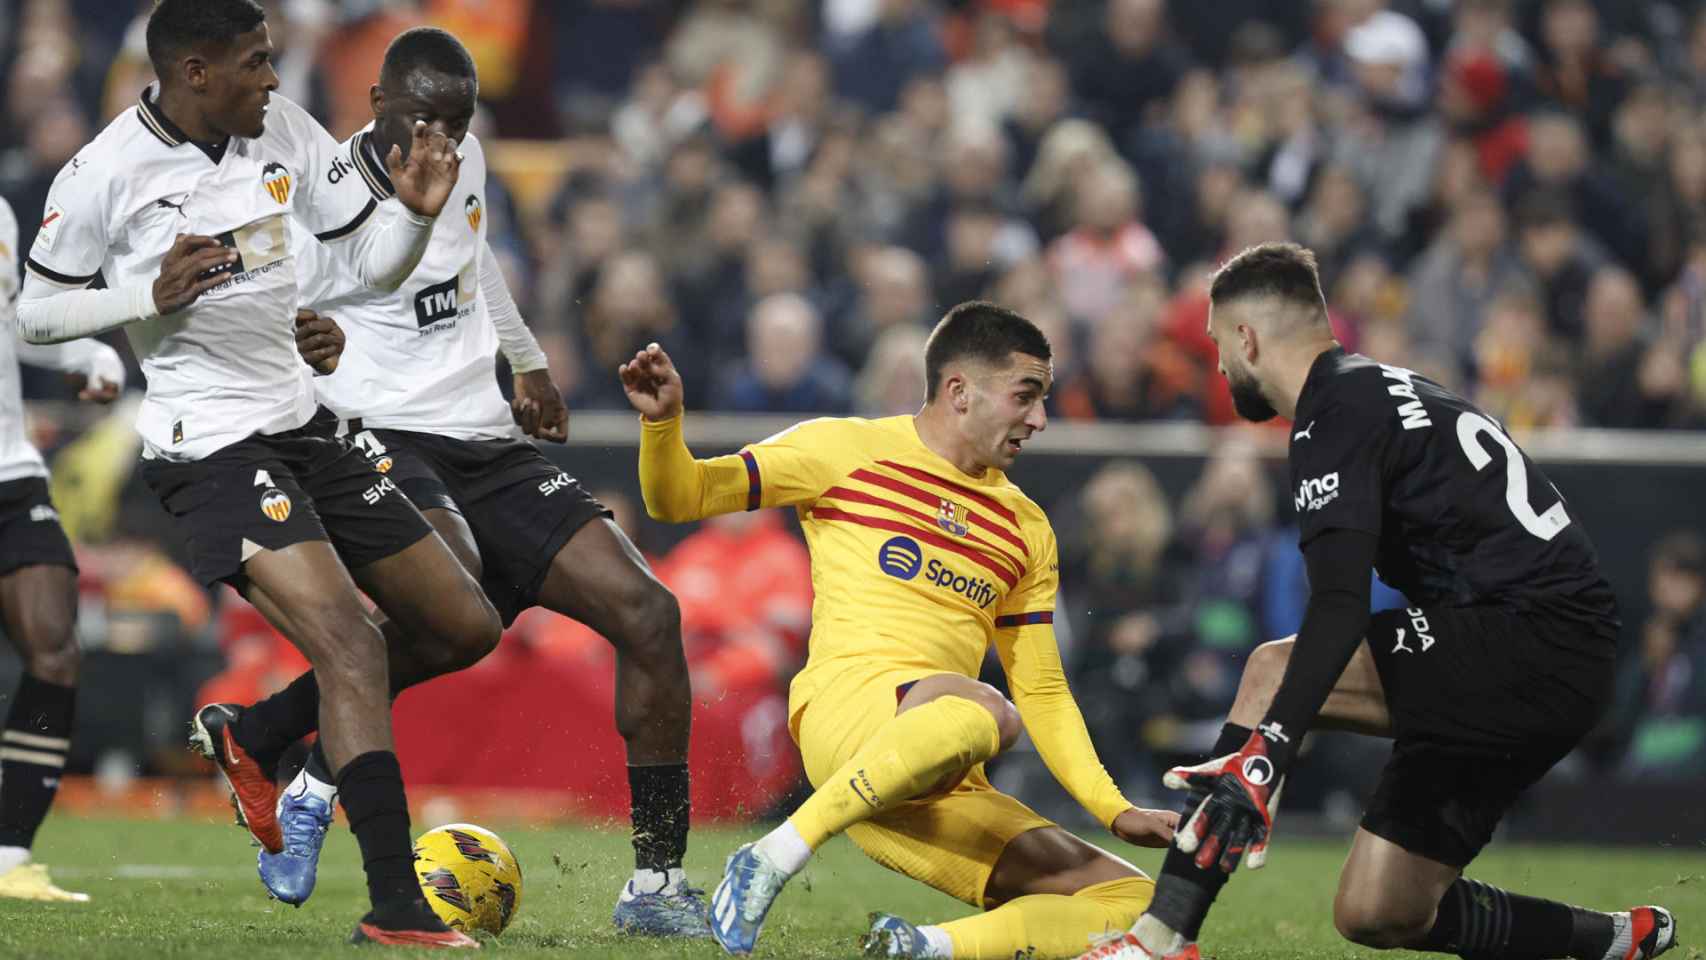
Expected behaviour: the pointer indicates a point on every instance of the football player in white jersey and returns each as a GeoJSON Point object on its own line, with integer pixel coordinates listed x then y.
{"type": "Point", "coordinates": [185, 205]}
{"type": "Point", "coordinates": [415, 389]}
{"type": "Point", "coordinates": [38, 590]}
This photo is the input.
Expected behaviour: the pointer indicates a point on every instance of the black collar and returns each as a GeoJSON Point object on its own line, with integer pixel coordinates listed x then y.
{"type": "Point", "coordinates": [372, 168]}
{"type": "Point", "coordinates": [161, 126]}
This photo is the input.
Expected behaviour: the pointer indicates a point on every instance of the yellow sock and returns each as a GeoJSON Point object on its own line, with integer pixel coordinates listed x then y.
{"type": "Point", "coordinates": [905, 757]}
{"type": "Point", "coordinates": [1049, 924]}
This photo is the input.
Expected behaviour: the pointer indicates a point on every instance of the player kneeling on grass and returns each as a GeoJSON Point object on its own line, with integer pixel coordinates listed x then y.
{"type": "Point", "coordinates": [413, 388]}
{"type": "Point", "coordinates": [1500, 666]}
{"type": "Point", "coordinates": [923, 555]}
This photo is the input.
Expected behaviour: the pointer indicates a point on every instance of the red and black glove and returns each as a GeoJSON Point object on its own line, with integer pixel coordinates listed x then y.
{"type": "Point", "coordinates": [1240, 793]}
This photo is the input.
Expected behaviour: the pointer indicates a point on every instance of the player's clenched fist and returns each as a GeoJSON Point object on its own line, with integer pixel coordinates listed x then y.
{"type": "Point", "coordinates": [652, 383]}
{"type": "Point", "coordinates": [186, 272]}
{"type": "Point", "coordinates": [425, 179]}
{"type": "Point", "coordinates": [319, 340]}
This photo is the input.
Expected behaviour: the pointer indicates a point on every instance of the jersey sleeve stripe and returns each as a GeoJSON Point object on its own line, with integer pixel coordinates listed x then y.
{"type": "Point", "coordinates": [350, 227]}
{"type": "Point", "coordinates": [65, 279]}
{"type": "Point", "coordinates": [934, 539]}
{"type": "Point", "coordinates": [754, 486]}
{"type": "Point", "coordinates": [859, 496]}
{"type": "Point", "coordinates": [931, 500]}
{"type": "Point", "coordinates": [1024, 619]}
{"type": "Point", "coordinates": [973, 495]}
{"type": "Point", "coordinates": [366, 159]}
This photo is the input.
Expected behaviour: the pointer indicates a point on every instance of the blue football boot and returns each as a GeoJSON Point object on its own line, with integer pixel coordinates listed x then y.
{"type": "Point", "coordinates": [671, 912]}
{"type": "Point", "coordinates": [891, 936]}
{"type": "Point", "coordinates": [750, 885]}
{"type": "Point", "coordinates": [289, 874]}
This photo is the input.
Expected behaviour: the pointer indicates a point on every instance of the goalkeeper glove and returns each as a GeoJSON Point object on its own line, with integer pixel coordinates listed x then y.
{"type": "Point", "coordinates": [1240, 793]}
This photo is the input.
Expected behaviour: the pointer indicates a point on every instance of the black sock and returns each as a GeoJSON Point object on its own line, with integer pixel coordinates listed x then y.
{"type": "Point", "coordinates": [371, 790]}
{"type": "Point", "coordinates": [659, 805]}
{"type": "Point", "coordinates": [317, 765]}
{"type": "Point", "coordinates": [1185, 892]}
{"type": "Point", "coordinates": [32, 756]}
{"type": "Point", "coordinates": [266, 728]}
{"type": "Point", "coordinates": [1478, 921]}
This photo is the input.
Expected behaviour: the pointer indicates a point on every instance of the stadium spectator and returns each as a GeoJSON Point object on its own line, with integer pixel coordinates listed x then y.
{"type": "Point", "coordinates": [893, 292]}
{"type": "Point", "coordinates": [1120, 72]}
{"type": "Point", "coordinates": [1661, 705]}
{"type": "Point", "coordinates": [1625, 382]}
{"type": "Point", "coordinates": [1119, 589]}
{"type": "Point", "coordinates": [1559, 257]}
{"type": "Point", "coordinates": [786, 370]}
{"type": "Point", "coordinates": [1455, 280]}
{"type": "Point", "coordinates": [874, 63]}
{"type": "Point", "coordinates": [1109, 246]}
{"type": "Point", "coordinates": [891, 383]}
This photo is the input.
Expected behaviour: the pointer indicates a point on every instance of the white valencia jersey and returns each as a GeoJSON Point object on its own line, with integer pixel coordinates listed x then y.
{"type": "Point", "coordinates": [422, 357]}
{"type": "Point", "coordinates": [226, 366]}
{"type": "Point", "coordinates": [18, 458]}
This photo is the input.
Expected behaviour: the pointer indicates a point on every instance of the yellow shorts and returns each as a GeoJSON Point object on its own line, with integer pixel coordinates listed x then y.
{"type": "Point", "coordinates": [948, 840]}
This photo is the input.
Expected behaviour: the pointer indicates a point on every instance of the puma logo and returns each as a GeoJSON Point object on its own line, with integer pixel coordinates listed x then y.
{"type": "Point", "coordinates": [1304, 433]}
{"type": "Point", "coordinates": [169, 205]}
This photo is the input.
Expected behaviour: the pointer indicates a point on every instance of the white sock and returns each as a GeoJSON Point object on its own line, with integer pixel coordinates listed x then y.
{"type": "Point", "coordinates": [785, 848]}
{"type": "Point", "coordinates": [1156, 937]}
{"type": "Point", "coordinates": [306, 783]}
{"type": "Point", "coordinates": [13, 857]}
{"type": "Point", "coordinates": [1622, 938]}
{"type": "Point", "coordinates": [656, 881]}
{"type": "Point", "coordinates": [941, 945]}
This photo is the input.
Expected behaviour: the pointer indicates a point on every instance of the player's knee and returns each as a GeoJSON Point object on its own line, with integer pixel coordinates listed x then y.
{"type": "Point", "coordinates": [1264, 669]}
{"type": "Point", "coordinates": [1380, 925]}
{"type": "Point", "coordinates": [476, 630]}
{"type": "Point", "coordinates": [1007, 722]}
{"type": "Point", "coordinates": [343, 645]}
{"type": "Point", "coordinates": [651, 625]}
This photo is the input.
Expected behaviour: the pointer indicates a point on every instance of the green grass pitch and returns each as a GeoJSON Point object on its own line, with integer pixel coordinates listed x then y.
{"type": "Point", "coordinates": [183, 889]}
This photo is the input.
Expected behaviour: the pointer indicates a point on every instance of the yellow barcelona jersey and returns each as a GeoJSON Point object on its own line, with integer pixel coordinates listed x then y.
{"type": "Point", "coordinates": [917, 567]}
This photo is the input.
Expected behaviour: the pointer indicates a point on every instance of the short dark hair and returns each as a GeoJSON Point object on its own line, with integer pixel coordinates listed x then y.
{"type": "Point", "coordinates": [177, 26]}
{"type": "Point", "coordinates": [427, 47]}
{"type": "Point", "coordinates": [983, 331]}
{"type": "Point", "coordinates": [1284, 270]}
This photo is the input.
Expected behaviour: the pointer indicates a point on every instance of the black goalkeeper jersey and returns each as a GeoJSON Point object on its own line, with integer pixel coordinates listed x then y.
{"type": "Point", "coordinates": [1463, 517]}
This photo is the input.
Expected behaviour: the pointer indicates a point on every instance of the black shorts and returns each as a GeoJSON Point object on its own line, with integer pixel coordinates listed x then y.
{"type": "Point", "coordinates": [521, 507]}
{"type": "Point", "coordinates": [1483, 702]}
{"type": "Point", "coordinates": [269, 492]}
{"type": "Point", "coordinates": [30, 534]}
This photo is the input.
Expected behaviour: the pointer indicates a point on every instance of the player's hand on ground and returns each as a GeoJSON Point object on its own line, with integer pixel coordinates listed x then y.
{"type": "Point", "coordinates": [1239, 794]}
{"type": "Point", "coordinates": [184, 272]}
{"type": "Point", "coordinates": [538, 406]}
{"type": "Point", "coordinates": [1145, 828]}
{"type": "Point", "coordinates": [652, 383]}
{"type": "Point", "coordinates": [319, 340]}
{"type": "Point", "coordinates": [425, 180]}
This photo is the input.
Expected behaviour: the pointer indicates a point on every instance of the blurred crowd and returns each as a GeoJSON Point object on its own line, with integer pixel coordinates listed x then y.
{"type": "Point", "coordinates": [1509, 195]}
{"type": "Point", "coordinates": [1506, 195]}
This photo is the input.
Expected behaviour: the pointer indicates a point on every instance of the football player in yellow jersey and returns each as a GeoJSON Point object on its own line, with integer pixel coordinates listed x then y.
{"type": "Point", "coordinates": [923, 555]}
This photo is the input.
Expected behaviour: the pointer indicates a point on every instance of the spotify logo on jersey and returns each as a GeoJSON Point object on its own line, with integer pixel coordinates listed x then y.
{"type": "Point", "coordinates": [900, 557]}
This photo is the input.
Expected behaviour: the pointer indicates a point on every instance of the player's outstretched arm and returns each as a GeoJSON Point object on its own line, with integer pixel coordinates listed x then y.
{"type": "Point", "coordinates": [1237, 795]}
{"type": "Point", "coordinates": [94, 369]}
{"type": "Point", "coordinates": [538, 405]}
{"type": "Point", "coordinates": [672, 483]}
{"type": "Point", "coordinates": [1031, 657]}
{"type": "Point", "coordinates": [51, 312]}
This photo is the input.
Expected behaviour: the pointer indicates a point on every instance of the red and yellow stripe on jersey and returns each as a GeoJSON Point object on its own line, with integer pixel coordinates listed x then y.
{"type": "Point", "coordinates": [917, 567]}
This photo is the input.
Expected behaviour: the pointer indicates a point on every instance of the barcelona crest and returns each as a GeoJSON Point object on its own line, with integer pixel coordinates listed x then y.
{"type": "Point", "coordinates": [277, 181]}
{"type": "Point", "coordinates": [952, 517]}
{"type": "Point", "coordinates": [473, 210]}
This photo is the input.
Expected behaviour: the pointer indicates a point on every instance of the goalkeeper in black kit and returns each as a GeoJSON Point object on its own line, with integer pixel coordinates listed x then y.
{"type": "Point", "coordinates": [1500, 666]}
